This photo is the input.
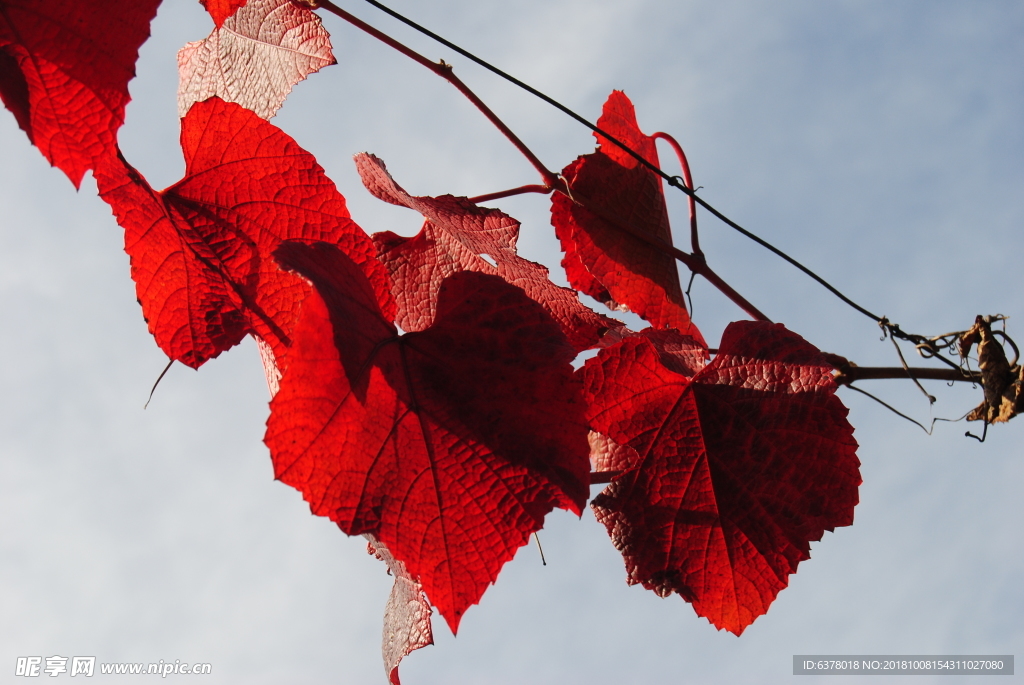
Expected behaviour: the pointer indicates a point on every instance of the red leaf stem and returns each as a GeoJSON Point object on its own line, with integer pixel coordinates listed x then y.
{"type": "Point", "coordinates": [521, 190]}
{"type": "Point", "coordinates": [688, 180]}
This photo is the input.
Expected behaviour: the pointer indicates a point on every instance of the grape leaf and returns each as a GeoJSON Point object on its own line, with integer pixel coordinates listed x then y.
{"type": "Point", "coordinates": [739, 467]}
{"type": "Point", "coordinates": [271, 370]}
{"type": "Point", "coordinates": [200, 250]}
{"type": "Point", "coordinates": [610, 190]}
{"type": "Point", "coordinates": [455, 234]}
{"type": "Point", "coordinates": [677, 352]}
{"type": "Point", "coordinates": [608, 456]}
{"type": "Point", "coordinates": [254, 57]}
{"type": "Point", "coordinates": [680, 353]}
{"type": "Point", "coordinates": [407, 615]}
{"type": "Point", "coordinates": [64, 72]}
{"type": "Point", "coordinates": [450, 444]}
{"type": "Point", "coordinates": [222, 9]}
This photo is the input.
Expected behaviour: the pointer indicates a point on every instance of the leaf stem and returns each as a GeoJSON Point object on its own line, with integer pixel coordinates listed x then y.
{"type": "Point", "coordinates": [445, 71]}
{"type": "Point", "coordinates": [521, 190]}
{"type": "Point", "coordinates": [688, 180]}
{"type": "Point", "coordinates": [158, 379]}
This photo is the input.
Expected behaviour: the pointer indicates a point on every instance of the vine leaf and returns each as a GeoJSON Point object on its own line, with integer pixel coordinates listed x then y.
{"type": "Point", "coordinates": [449, 445]}
{"type": "Point", "coordinates": [456, 234]}
{"type": "Point", "coordinates": [678, 353]}
{"type": "Point", "coordinates": [406, 616]}
{"type": "Point", "coordinates": [606, 455]}
{"type": "Point", "coordinates": [200, 250]}
{"type": "Point", "coordinates": [254, 57]}
{"type": "Point", "coordinates": [738, 467]}
{"type": "Point", "coordinates": [609, 190]}
{"type": "Point", "coordinates": [222, 9]}
{"type": "Point", "coordinates": [64, 72]}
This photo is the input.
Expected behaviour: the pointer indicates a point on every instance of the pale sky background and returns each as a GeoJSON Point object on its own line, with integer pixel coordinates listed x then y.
{"type": "Point", "coordinates": [880, 143]}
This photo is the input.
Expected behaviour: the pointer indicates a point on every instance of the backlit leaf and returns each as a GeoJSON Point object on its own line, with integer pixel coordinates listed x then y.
{"type": "Point", "coordinates": [222, 9]}
{"type": "Point", "coordinates": [449, 445]}
{"type": "Point", "coordinates": [407, 615]}
{"type": "Point", "coordinates": [200, 250]}
{"type": "Point", "coordinates": [458, 235]}
{"type": "Point", "coordinates": [64, 72]}
{"type": "Point", "coordinates": [610, 192]}
{"type": "Point", "coordinates": [738, 468]}
{"type": "Point", "coordinates": [255, 57]}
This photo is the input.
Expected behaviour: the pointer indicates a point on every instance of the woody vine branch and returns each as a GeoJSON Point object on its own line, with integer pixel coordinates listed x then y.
{"type": "Point", "coordinates": [846, 371]}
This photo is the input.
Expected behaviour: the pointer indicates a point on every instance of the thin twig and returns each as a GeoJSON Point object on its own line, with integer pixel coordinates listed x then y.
{"type": "Point", "coordinates": [934, 421]}
{"type": "Point", "coordinates": [931, 399]}
{"type": "Point", "coordinates": [893, 409]}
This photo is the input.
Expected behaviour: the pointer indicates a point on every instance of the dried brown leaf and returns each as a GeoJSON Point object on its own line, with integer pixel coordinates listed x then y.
{"type": "Point", "coordinates": [1001, 381]}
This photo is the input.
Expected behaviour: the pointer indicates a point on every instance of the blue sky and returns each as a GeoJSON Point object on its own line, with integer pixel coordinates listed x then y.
{"type": "Point", "coordinates": [880, 143]}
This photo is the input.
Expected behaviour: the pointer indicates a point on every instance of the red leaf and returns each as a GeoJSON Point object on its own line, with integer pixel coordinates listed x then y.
{"type": "Point", "coordinates": [222, 9]}
{"type": "Point", "coordinates": [739, 467]}
{"type": "Point", "coordinates": [200, 250]}
{"type": "Point", "coordinates": [455, 234]}
{"type": "Point", "coordinates": [608, 456]}
{"type": "Point", "coordinates": [407, 615]}
{"type": "Point", "coordinates": [255, 58]}
{"type": "Point", "coordinates": [449, 445]}
{"type": "Point", "coordinates": [610, 191]}
{"type": "Point", "coordinates": [679, 353]}
{"type": "Point", "coordinates": [64, 72]}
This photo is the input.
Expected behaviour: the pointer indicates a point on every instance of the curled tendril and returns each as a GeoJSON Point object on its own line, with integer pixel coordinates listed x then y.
{"type": "Point", "coordinates": [1008, 340]}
